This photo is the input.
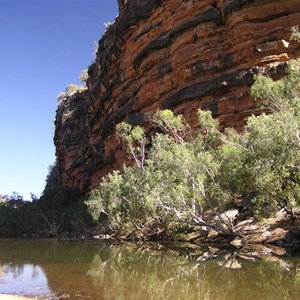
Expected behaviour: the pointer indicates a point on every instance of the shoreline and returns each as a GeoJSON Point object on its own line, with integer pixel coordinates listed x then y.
{"type": "Point", "coordinates": [277, 236]}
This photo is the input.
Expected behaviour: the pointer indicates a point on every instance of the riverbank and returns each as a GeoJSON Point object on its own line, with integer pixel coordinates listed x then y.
{"type": "Point", "coordinates": [273, 235]}
{"type": "Point", "coordinates": [233, 229]}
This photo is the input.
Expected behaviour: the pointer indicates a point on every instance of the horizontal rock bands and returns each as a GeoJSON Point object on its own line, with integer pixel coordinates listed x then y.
{"type": "Point", "coordinates": [165, 39]}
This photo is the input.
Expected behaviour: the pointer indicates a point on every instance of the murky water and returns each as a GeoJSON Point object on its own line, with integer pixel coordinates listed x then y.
{"type": "Point", "coordinates": [81, 270]}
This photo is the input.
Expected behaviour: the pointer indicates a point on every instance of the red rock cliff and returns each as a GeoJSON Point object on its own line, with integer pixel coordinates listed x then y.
{"type": "Point", "coordinates": [178, 54]}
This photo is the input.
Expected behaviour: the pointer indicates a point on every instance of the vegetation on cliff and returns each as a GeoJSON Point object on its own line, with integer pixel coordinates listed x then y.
{"type": "Point", "coordinates": [193, 176]}
{"type": "Point", "coordinates": [181, 176]}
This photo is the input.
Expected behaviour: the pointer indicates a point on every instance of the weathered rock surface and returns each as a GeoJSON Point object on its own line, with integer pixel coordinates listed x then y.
{"type": "Point", "coordinates": [171, 54]}
{"type": "Point", "coordinates": [279, 231]}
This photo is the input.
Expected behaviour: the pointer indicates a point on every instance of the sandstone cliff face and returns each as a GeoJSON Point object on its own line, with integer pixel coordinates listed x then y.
{"type": "Point", "coordinates": [178, 54]}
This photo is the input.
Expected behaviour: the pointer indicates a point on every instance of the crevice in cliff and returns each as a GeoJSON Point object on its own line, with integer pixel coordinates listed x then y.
{"type": "Point", "coordinates": [269, 18]}
{"type": "Point", "coordinates": [219, 84]}
{"type": "Point", "coordinates": [233, 5]}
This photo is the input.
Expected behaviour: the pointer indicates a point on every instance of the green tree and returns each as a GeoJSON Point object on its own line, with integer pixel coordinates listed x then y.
{"type": "Point", "coordinates": [263, 164]}
{"type": "Point", "coordinates": [135, 140]}
{"type": "Point", "coordinates": [177, 181]}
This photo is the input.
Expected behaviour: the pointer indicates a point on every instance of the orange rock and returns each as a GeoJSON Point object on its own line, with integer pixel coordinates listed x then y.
{"type": "Point", "coordinates": [182, 55]}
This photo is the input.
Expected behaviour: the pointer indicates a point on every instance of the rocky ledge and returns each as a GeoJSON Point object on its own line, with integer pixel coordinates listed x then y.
{"type": "Point", "coordinates": [277, 236]}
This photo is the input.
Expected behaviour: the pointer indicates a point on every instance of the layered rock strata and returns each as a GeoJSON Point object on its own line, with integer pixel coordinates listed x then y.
{"type": "Point", "coordinates": [177, 54]}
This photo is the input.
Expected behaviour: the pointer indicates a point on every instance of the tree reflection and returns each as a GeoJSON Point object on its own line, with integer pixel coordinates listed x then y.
{"type": "Point", "coordinates": [151, 271]}
{"type": "Point", "coordinates": [144, 273]}
{"type": "Point", "coordinates": [14, 269]}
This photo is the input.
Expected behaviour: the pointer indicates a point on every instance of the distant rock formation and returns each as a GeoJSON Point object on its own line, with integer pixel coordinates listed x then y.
{"type": "Point", "coordinates": [173, 54]}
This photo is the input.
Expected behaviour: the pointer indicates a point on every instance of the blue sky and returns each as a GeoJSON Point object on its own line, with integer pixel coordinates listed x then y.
{"type": "Point", "coordinates": [44, 46]}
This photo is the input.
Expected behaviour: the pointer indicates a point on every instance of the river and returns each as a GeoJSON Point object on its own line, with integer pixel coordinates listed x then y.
{"type": "Point", "coordinates": [51, 269]}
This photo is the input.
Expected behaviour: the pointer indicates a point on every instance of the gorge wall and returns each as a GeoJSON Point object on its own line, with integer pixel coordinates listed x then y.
{"type": "Point", "coordinates": [177, 54]}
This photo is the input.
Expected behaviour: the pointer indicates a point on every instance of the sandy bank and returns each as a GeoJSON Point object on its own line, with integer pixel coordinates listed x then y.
{"type": "Point", "coordinates": [10, 297]}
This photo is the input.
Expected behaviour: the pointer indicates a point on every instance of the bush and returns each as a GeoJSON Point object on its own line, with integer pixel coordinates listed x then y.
{"type": "Point", "coordinates": [185, 172]}
{"type": "Point", "coordinates": [263, 164]}
{"type": "Point", "coordinates": [178, 179]}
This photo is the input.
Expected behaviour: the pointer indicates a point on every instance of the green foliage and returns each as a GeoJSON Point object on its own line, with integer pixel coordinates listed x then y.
{"type": "Point", "coordinates": [188, 172]}
{"type": "Point", "coordinates": [183, 175]}
{"type": "Point", "coordinates": [105, 200]}
{"type": "Point", "coordinates": [122, 198]}
{"type": "Point", "coordinates": [57, 197]}
{"type": "Point", "coordinates": [135, 140]}
{"type": "Point", "coordinates": [57, 212]}
{"type": "Point", "coordinates": [178, 179]}
{"type": "Point", "coordinates": [36, 218]}
{"type": "Point", "coordinates": [172, 125]}
{"type": "Point", "coordinates": [168, 121]}
{"type": "Point", "coordinates": [130, 134]}
{"type": "Point", "coordinates": [281, 95]}
{"type": "Point", "coordinates": [263, 164]}
{"type": "Point", "coordinates": [209, 128]}
{"type": "Point", "coordinates": [295, 34]}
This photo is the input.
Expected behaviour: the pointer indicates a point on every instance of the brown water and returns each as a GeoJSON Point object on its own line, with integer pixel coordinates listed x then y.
{"type": "Point", "coordinates": [51, 269]}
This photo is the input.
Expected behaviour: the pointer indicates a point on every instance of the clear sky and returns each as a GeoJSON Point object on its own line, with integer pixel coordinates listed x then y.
{"type": "Point", "coordinates": [44, 45]}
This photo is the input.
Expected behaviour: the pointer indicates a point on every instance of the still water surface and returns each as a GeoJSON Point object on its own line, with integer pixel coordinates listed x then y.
{"type": "Point", "coordinates": [50, 269]}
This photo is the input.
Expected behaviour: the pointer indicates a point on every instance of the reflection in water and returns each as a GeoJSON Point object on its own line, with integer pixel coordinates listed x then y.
{"type": "Point", "coordinates": [99, 271]}
{"type": "Point", "coordinates": [25, 279]}
{"type": "Point", "coordinates": [144, 274]}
